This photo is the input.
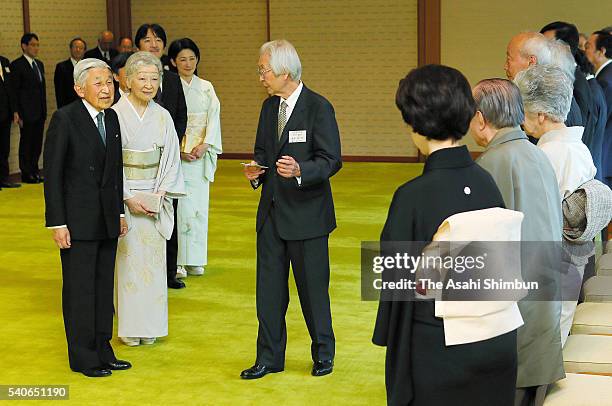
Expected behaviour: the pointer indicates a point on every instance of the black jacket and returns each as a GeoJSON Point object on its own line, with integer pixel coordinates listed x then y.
{"type": "Point", "coordinates": [64, 83]}
{"type": "Point", "coordinates": [6, 111]}
{"type": "Point", "coordinates": [605, 81]}
{"type": "Point", "coordinates": [417, 210]}
{"type": "Point", "coordinates": [83, 179]}
{"type": "Point", "coordinates": [95, 53]}
{"type": "Point", "coordinates": [30, 94]}
{"type": "Point", "coordinates": [173, 100]}
{"type": "Point", "coordinates": [595, 142]}
{"type": "Point", "coordinates": [306, 211]}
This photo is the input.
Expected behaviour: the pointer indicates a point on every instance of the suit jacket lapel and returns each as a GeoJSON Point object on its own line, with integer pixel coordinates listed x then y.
{"type": "Point", "coordinates": [296, 118]}
{"type": "Point", "coordinates": [91, 131]}
{"type": "Point", "coordinates": [112, 134]}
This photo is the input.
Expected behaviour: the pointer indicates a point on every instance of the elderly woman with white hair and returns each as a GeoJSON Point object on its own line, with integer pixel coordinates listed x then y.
{"type": "Point", "coordinates": [152, 177]}
{"type": "Point", "coordinates": [547, 94]}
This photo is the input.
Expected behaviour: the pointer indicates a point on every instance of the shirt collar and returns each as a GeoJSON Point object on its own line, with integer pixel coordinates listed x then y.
{"type": "Point", "coordinates": [292, 99]}
{"type": "Point", "coordinates": [93, 112]}
{"type": "Point", "coordinates": [74, 61]}
{"type": "Point", "coordinates": [506, 134]}
{"type": "Point", "coordinates": [30, 59]}
{"type": "Point", "coordinates": [447, 158]}
{"type": "Point", "coordinates": [602, 66]}
{"type": "Point", "coordinates": [569, 134]}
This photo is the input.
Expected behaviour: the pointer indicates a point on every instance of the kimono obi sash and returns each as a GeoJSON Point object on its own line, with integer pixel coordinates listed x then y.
{"type": "Point", "coordinates": [141, 165]}
{"type": "Point", "coordinates": [196, 131]}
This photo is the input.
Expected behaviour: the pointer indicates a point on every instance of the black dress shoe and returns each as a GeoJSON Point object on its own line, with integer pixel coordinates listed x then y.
{"type": "Point", "coordinates": [9, 185]}
{"type": "Point", "coordinates": [176, 284]}
{"type": "Point", "coordinates": [98, 372]}
{"type": "Point", "coordinates": [29, 179]}
{"type": "Point", "coordinates": [258, 371]}
{"type": "Point", "coordinates": [321, 368]}
{"type": "Point", "coordinates": [118, 365]}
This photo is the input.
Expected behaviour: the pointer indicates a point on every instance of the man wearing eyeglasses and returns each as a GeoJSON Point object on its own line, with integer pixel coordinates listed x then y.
{"type": "Point", "coordinates": [297, 150]}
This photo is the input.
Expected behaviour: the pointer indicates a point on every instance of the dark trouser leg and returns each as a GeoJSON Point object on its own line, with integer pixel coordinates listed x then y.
{"type": "Point", "coordinates": [36, 145]}
{"type": "Point", "coordinates": [272, 295]}
{"type": "Point", "coordinates": [79, 303]}
{"type": "Point", "coordinates": [30, 146]}
{"type": "Point", "coordinates": [172, 248]}
{"type": "Point", "coordinates": [5, 149]}
{"type": "Point", "coordinates": [310, 263]}
{"type": "Point", "coordinates": [105, 283]}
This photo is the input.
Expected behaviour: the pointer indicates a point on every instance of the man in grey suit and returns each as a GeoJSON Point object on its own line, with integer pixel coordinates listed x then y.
{"type": "Point", "coordinates": [527, 182]}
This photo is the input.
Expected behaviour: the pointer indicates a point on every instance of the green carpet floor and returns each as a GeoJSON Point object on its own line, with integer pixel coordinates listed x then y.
{"type": "Point", "coordinates": [212, 323]}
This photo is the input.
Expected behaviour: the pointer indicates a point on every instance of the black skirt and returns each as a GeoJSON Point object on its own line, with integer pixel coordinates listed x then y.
{"type": "Point", "coordinates": [480, 373]}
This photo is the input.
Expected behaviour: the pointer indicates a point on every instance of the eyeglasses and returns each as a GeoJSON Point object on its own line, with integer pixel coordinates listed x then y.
{"type": "Point", "coordinates": [261, 72]}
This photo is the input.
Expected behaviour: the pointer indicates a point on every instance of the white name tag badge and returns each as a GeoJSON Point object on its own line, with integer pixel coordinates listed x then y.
{"type": "Point", "coordinates": [297, 136]}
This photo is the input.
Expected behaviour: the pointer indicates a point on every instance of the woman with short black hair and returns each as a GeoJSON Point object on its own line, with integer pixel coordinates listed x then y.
{"type": "Point", "coordinates": [422, 366]}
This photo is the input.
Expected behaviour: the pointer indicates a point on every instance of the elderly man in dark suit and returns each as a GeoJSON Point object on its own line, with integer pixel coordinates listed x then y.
{"type": "Point", "coordinates": [64, 83]}
{"type": "Point", "coordinates": [84, 209]}
{"type": "Point", "coordinates": [298, 141]}
{"type": "Point", "coordinates": [6, 116]}
{"type": "Point", "coordinates": [29, 106]}
{"type": "Point", "coordinates": [105, 50]}
{"type": "Point", "coordinates": [152, 38]}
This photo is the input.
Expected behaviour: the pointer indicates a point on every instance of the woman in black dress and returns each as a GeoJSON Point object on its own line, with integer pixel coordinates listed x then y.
{"type": "Point", "coordinates": [436, 101]}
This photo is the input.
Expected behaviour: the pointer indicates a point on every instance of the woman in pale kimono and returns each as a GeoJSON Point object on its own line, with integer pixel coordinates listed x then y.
{"type": "Point", "coordinates": [199, 149]}
{"type": "Point", "coordinates": [547, 94]}
{"type": "Point", "coordinates": [153, 176]}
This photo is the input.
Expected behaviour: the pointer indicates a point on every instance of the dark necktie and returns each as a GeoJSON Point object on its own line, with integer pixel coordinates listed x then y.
{"type": "Point", "coordinates": [101, 130]}
{"type": "Point", "coordinates": [36, 71]}
{"type": "Point", "coordinates": [282, 119]}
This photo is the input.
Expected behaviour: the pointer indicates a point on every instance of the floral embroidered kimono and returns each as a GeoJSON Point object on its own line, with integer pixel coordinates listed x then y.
{"type": "Point", "coordinates": [203, 126]}
{"type": "Point", "coordinates": [151, 163]}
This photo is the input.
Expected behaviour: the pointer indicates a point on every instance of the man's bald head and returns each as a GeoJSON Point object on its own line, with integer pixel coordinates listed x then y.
{"type": "Point", "coordinates": [105, 40]}
{"type": "Point", "coordinates": [526, 49]}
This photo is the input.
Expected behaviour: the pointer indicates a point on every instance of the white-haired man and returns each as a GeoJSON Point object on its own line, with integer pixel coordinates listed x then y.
{"type": "Point", "coordinates": [84, 210]}
{"type": "Point", "coordinates": [532, 48]}
{"type": "Point", "coordinates": [298, 141]}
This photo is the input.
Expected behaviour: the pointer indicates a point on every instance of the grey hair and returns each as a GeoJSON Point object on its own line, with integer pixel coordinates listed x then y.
{"type": "Point", "coordinates": [537, 45]}
{"type": "Point", "coordinates": [500, 102]}
{"type": "Point", "coordinates": [283, 58]}
{"type": "Point", "coordinates": [546, 89]}
{"type": "Point", "coordinates": [562, 57]}
{"type": "Point", "coordinates": [139, 59]}
{"type": "Point", "coordinates": [82, 68]}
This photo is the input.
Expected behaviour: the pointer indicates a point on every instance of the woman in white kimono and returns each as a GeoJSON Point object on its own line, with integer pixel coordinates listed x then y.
{"type": "Point", "coordinates": [152, 177]}
{"type": "Point", "coordinates": [199, 149]}
{"type": "Point", "coordinates": [547, 95]}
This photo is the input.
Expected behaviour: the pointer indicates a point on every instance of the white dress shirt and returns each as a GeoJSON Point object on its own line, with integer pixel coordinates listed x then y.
{"type": "Point", "coordinates": [570, 158]}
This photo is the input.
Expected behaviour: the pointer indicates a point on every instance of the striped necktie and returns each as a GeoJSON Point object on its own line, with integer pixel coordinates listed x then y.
{"type": "Point", "coordinates": [282, 118]}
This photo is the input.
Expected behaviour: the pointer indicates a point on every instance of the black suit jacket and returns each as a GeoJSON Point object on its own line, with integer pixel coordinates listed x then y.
{"type": "Point", "coordinates": [83, 179]}
{"type": "Point", "coordinates": [301, 211]}
{"type": "Point", "coordinates": [417, 210]}
{"type": "Point", "coordinates": [6, 111]}
{"type": "Point", "coordinates": [30, 94]}
{"type": "Point", "coordinates": [64, 83]}
{"type": "Point", "coordinates": [595, 143]}
{"type": "Point", "coordinates": [173, 100]}
{"type": "Point", "coordinates": [584, 99]}
{"type": "Point", "coordinates": [605, 80]}
{"type": "Point", "coordinates": [95, 53]}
